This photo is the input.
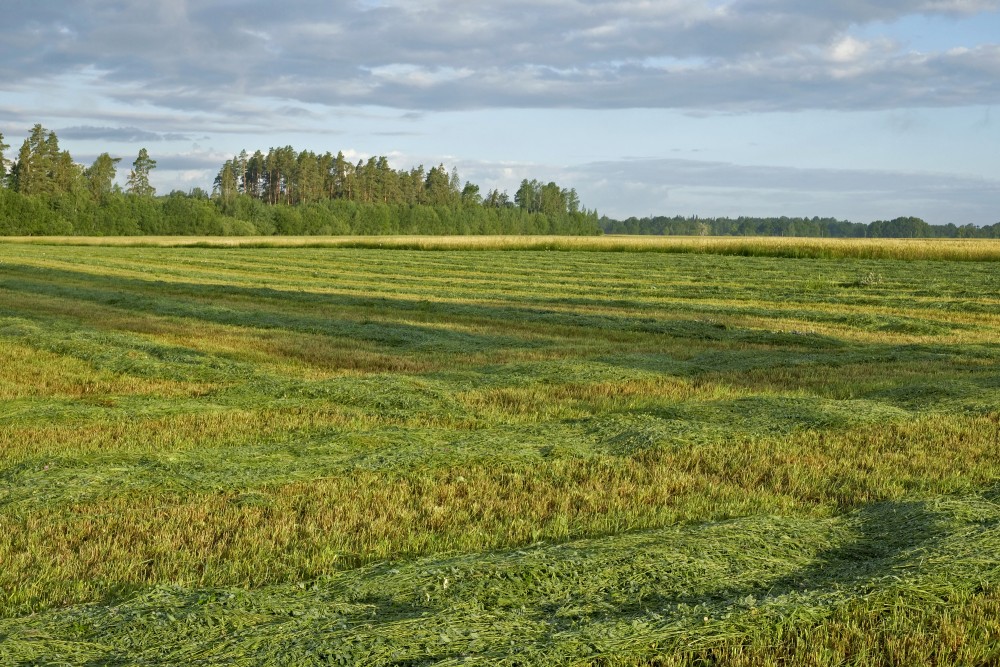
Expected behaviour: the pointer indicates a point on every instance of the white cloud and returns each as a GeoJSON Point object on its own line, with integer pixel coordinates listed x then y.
{"type": "Point", "coordinates": [848, 49]}
{"type": "Point", "coordinates": [413, 75]}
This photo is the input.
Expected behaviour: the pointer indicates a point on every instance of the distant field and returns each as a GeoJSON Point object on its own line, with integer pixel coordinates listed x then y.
{"type": "Point", "coordinates": [929, 249]}
{"type": "Point", "coordinates": [630, 452]}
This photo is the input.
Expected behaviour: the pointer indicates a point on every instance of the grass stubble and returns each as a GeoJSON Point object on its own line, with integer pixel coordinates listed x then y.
{"type": "Point", "coordinates": [363, 455]}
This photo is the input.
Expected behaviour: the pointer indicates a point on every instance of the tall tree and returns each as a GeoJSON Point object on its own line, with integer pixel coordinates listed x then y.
{"type": "Point", "coordinates": [413, 185]}
{"type": "Point", "coordinates": [309, 183]}
{"type": "Point", "coordinates": [279, 173]}
{"type": "Point", "coordinates": [138, 178]}
{"type": "Point", "coordinates": [551, 201]}
{"type": "Point", "coordinates": [256, 170]}
{"type": "Point", "coordinates": [496, 199]}
{"type": "Point", "coordinates": [100, 176]}
{"type": "Point", "coordinates": [470, 194]}
{"type": "Point", "coordinates": [226, 185]}
{"type": "Point", "coordinates": [340, 169]}
{"type": "Point", "coordinates": [41, 168]}
{"type": "Point", "coordinates": [325, 164]}
{"type": "Point", "coordinates": [437, 186]}
{"type": "Point", "coordinates": [3, 160]}
{"type": "Point", "coordinates": [66, 174]}
{"type": "Point", "coordinates": [572, 200]}
{"type": "Point", "coordinates": [240, 165]}
{"type": "Point", "coordinates": [32, 173]}
{"type": "Point", "coordinates": [527, 196]}
{"type": "Point", "coordinates": [387, 186]}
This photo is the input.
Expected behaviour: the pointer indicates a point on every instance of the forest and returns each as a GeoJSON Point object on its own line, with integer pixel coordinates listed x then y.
{"type": "Point", "coordinates": [903, 227]}
{"type": "Point", "coordinates": [43, 191]}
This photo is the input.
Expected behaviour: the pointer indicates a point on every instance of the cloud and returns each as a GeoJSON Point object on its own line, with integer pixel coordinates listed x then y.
{"type": "Point", "coordinates": [675, 186]}
{"type": "Point", "coordinates": [118, 134]}
{"type": "Point", "coordinates": [741, 55]}
{"type": "Point", "coordinates": [192, 161]}
{"type": "Point", "coordinates": [698, 173]}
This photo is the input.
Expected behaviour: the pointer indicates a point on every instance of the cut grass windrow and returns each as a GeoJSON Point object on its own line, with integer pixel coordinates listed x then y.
{"type": "Point", "coordinates": [761, 589]}
{"type": "Point", "coordinates": [736, 451]}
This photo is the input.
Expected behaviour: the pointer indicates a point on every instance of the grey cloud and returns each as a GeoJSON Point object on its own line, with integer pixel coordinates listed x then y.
{"type": "Point", "coordinates": [119, 134]}
{"type": "Point", "coordinates": [972, 77]}
{"type": "Point", "coordinates": [674, 186]}
{"type": "Point", "coordinates": [188, 162]}
{"type": "Point", "coordinates": [447, 54]}
{"type": "Point", "coordinates": [164, 163]}
{"type": "Point", "coordinates": [698, 173]}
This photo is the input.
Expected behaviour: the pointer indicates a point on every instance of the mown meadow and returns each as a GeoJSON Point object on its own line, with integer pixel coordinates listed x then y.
{"type": "Point", "coordinates": [417, 452]}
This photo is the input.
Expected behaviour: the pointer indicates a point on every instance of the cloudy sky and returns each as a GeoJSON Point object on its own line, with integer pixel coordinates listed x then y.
{"type": "Point", "coordinates": [849, 108]}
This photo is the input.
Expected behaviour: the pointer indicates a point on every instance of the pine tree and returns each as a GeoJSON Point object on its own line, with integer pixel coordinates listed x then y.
{"type": "Point", "coordinates": [225, 185]}
{"type": "Point", "coordinates": [241, 165]}
{"type": "Point", "coordinates": [138, 178]}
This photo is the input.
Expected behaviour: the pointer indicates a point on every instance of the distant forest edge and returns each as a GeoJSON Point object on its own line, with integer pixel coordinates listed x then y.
{"type": "Point", "coordinates": [283, 192]}
{"type": "Point", "coordinates": [43, 192]}
{"type": "Point", "coordinates": [897, 228]}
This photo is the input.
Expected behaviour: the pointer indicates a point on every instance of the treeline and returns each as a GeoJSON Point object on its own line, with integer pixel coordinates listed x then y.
{"type": "Point", "coordinates": [197, 214]}
{"type": "Point", "coordinates": [44, 192]}
{"type": "Point", "coordinates": [284, 176]}
{"type": "Point", "coordinates": [902, 227]}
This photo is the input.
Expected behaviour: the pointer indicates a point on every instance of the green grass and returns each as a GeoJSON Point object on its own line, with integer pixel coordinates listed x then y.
{"type": "Point", "coordinates": [355, 455]}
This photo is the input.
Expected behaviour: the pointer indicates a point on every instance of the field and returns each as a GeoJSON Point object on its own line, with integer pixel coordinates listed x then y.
{"type": "Point", "coordinates": [818, 248]}
{"type": "Point", "coordinates": [444, 452]}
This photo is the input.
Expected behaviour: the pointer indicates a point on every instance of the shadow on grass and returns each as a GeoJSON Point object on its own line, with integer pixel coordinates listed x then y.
{"type": "Point", "coordinates": [374, 321]}
{"type": "Point", "coordinates": [268, 309]}
{"type": "Point", "coordinates": [888, 535]}
{"type": "Point", "coordinates": [408, 610]}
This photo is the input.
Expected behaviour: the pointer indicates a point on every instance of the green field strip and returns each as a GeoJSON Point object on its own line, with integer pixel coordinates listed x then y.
{"type": "Point", "coordinates": [633, 596]}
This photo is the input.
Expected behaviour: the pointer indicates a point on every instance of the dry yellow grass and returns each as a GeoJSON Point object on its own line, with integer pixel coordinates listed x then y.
{"type": "Point", "coordinates": [932, 249]}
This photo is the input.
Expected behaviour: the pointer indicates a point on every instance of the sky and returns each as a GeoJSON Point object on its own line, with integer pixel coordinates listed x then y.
{"type": "Point", "coordinates": [845, 108]}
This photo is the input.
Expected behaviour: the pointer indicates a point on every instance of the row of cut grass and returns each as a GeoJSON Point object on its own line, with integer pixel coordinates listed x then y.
{"type": "Point", "coordinates": [294, 427]}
